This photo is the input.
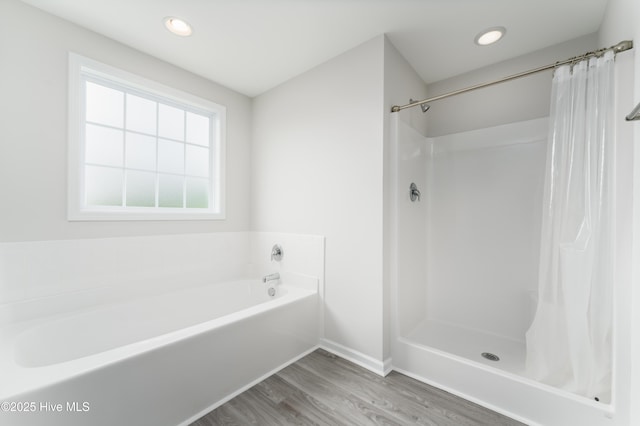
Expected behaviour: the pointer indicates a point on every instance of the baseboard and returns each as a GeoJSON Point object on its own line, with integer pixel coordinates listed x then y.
{"type": "Point", "coordinates": [388, 366]}
{"type": "Point", "coordinates": [248, 386]}
{"type": "Point", "coordinates": [381, 368]}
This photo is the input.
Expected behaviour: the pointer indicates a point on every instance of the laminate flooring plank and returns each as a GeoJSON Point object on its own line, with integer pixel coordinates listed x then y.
{"type": "Point", "coordinates": [376, 392]}
{"type": "Point", "coordinates": [346, 407]}
{"type": "Point", "coordinates": [310, 410]}
{"type": "Point", "coordinates": [427, 404]}
{"type": "Point", "coordinates": [226, 415]}
{"type": "Point", "coordinates": [252, 409]}
{"type": "Point", "coordinates": [257, 407]}
{"type": "Point", "coordinates": [458, 409]}
{"type": "Point", "coordinates": [325, 390]}
{"type": "Point", "coordinates": [432, 399]}
{"type": "Point", "coordinates": [274, 388]}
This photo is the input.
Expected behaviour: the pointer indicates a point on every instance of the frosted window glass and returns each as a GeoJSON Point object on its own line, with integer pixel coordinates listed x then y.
{"type": "Point", "coordinates": [103, 186]}
{"type": "Point", "coordinates": [170, 157]}
{"type": "Point", "coordinates": [104, 105]}
{"type": "Point", "coordinates": [197, 129]}
{"type": "Point", "coordinates": [141, 114]}
{"type": "Point", "coordinates": [171, 122]}
{"type": "Point", "coordinates": [141, 152]}
{"type": "Point", "coordinates": [197, 193]}
{"type": "Point", "coordinates": [197, 161]}
{"type": "Point", "coordinates": [103, 145]}
{"type": "Point", "coordinates": [170, 191]}
{"type": "Point", "coordinates": [141, 189]}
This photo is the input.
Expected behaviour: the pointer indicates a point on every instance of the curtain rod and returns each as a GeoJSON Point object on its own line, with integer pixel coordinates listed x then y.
{"type": "Point", "coordinates": [620, 47]}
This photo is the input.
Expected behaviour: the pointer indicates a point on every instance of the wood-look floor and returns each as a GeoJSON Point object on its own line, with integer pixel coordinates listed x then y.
{"type": "Point", "coordinates": [323, 389]}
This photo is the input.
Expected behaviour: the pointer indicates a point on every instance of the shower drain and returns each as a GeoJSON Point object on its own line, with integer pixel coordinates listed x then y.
{"type": "Point", "coordinates": [490, 356]}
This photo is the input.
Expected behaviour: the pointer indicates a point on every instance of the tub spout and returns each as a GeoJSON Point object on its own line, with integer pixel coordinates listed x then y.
{"type": "Point", "coordinates": [271, 277]}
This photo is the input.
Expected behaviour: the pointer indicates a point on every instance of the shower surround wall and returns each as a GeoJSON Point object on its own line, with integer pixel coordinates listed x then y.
{"type": "Point", "coordinates": [467, 252]}
{"type": "Point", "coordinates": [484, 200]}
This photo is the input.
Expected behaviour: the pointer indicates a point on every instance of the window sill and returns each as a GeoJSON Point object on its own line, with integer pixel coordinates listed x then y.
{"type": "Point", "coordinates": [146, 215]}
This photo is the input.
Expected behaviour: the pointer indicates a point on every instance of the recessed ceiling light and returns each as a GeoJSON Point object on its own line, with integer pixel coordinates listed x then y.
{"type": "Point", "coordinates": [177, 26]}
{"type": "Point", "coordinates": [490, 35]}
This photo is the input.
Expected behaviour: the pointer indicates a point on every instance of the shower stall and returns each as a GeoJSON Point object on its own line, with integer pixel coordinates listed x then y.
{"type": "Point", "coordinates": [479, 215]}
{"type": "Point", "coordinates": [465, 260]}
{"type": "Point", "coordinates": [471, 231]}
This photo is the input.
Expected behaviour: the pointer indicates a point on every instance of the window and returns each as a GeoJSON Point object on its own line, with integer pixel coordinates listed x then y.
{"type": "Point", "coordinates": [139, 150]}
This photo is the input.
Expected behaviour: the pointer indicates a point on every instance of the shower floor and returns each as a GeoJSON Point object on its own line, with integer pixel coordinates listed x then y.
{"type": "Point", "coordinates": [470, 344]}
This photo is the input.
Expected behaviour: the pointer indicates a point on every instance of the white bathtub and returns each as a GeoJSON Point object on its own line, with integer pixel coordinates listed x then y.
{"type": "Point", "coordinates": [160, 360]}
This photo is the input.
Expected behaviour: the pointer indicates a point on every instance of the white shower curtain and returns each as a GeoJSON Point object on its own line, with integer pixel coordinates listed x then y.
{"type": "Point", "coordinates": [569, 342]}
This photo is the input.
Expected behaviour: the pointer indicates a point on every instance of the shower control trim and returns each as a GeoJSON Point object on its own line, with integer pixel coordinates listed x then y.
{"type": "Point", "coordinates": [276, 253]}
{"type": "Point", "coordinates": [414, 193]}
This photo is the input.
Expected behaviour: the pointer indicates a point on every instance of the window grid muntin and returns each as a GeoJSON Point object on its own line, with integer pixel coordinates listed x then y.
{"type": "Point", "coordinates": [212, 196]}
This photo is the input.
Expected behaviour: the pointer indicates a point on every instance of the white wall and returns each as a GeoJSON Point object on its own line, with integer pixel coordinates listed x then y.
{"type": "Point", "coordinates": [317, 168]}
{"type": "Point", "coordinates": [321, 165]}
{"type": "Point", "coordinates": [405, 222]}
{"type": "Point", "coordinates": [517, 100]}
{"type": "Point", "coordinates": [622, 22]}
{"type": "Point", "coordinates": [401, 83]}
{"type": "Point", "coordinates": [485, 195]}
{"type": "Point", "coordinates": [34, 50]}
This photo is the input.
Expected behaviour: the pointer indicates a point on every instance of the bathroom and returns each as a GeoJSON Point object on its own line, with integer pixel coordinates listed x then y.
{"type": "Point", "coordinates": [308, 166]}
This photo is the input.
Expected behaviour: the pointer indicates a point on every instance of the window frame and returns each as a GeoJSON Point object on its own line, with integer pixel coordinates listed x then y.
{"type": "Point", "coordinates": [76, 208]}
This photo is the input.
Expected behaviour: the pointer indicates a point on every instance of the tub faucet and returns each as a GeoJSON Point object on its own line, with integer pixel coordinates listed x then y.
{"type": "Point", "coordinates": [271, 277]}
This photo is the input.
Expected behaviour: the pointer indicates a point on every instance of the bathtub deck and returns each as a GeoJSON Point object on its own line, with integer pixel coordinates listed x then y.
{"type": "Point", "coordinates": [327, 390]}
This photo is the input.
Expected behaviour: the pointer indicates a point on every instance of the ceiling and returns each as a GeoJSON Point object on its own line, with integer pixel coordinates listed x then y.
{"type": "Point", "coordinates": [252, 46]}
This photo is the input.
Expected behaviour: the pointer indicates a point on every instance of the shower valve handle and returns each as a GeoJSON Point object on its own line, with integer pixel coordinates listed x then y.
{"type": "Point", "coordinates": [414, 192]}
{"type": "Point", "coordinates": [276, 253]}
